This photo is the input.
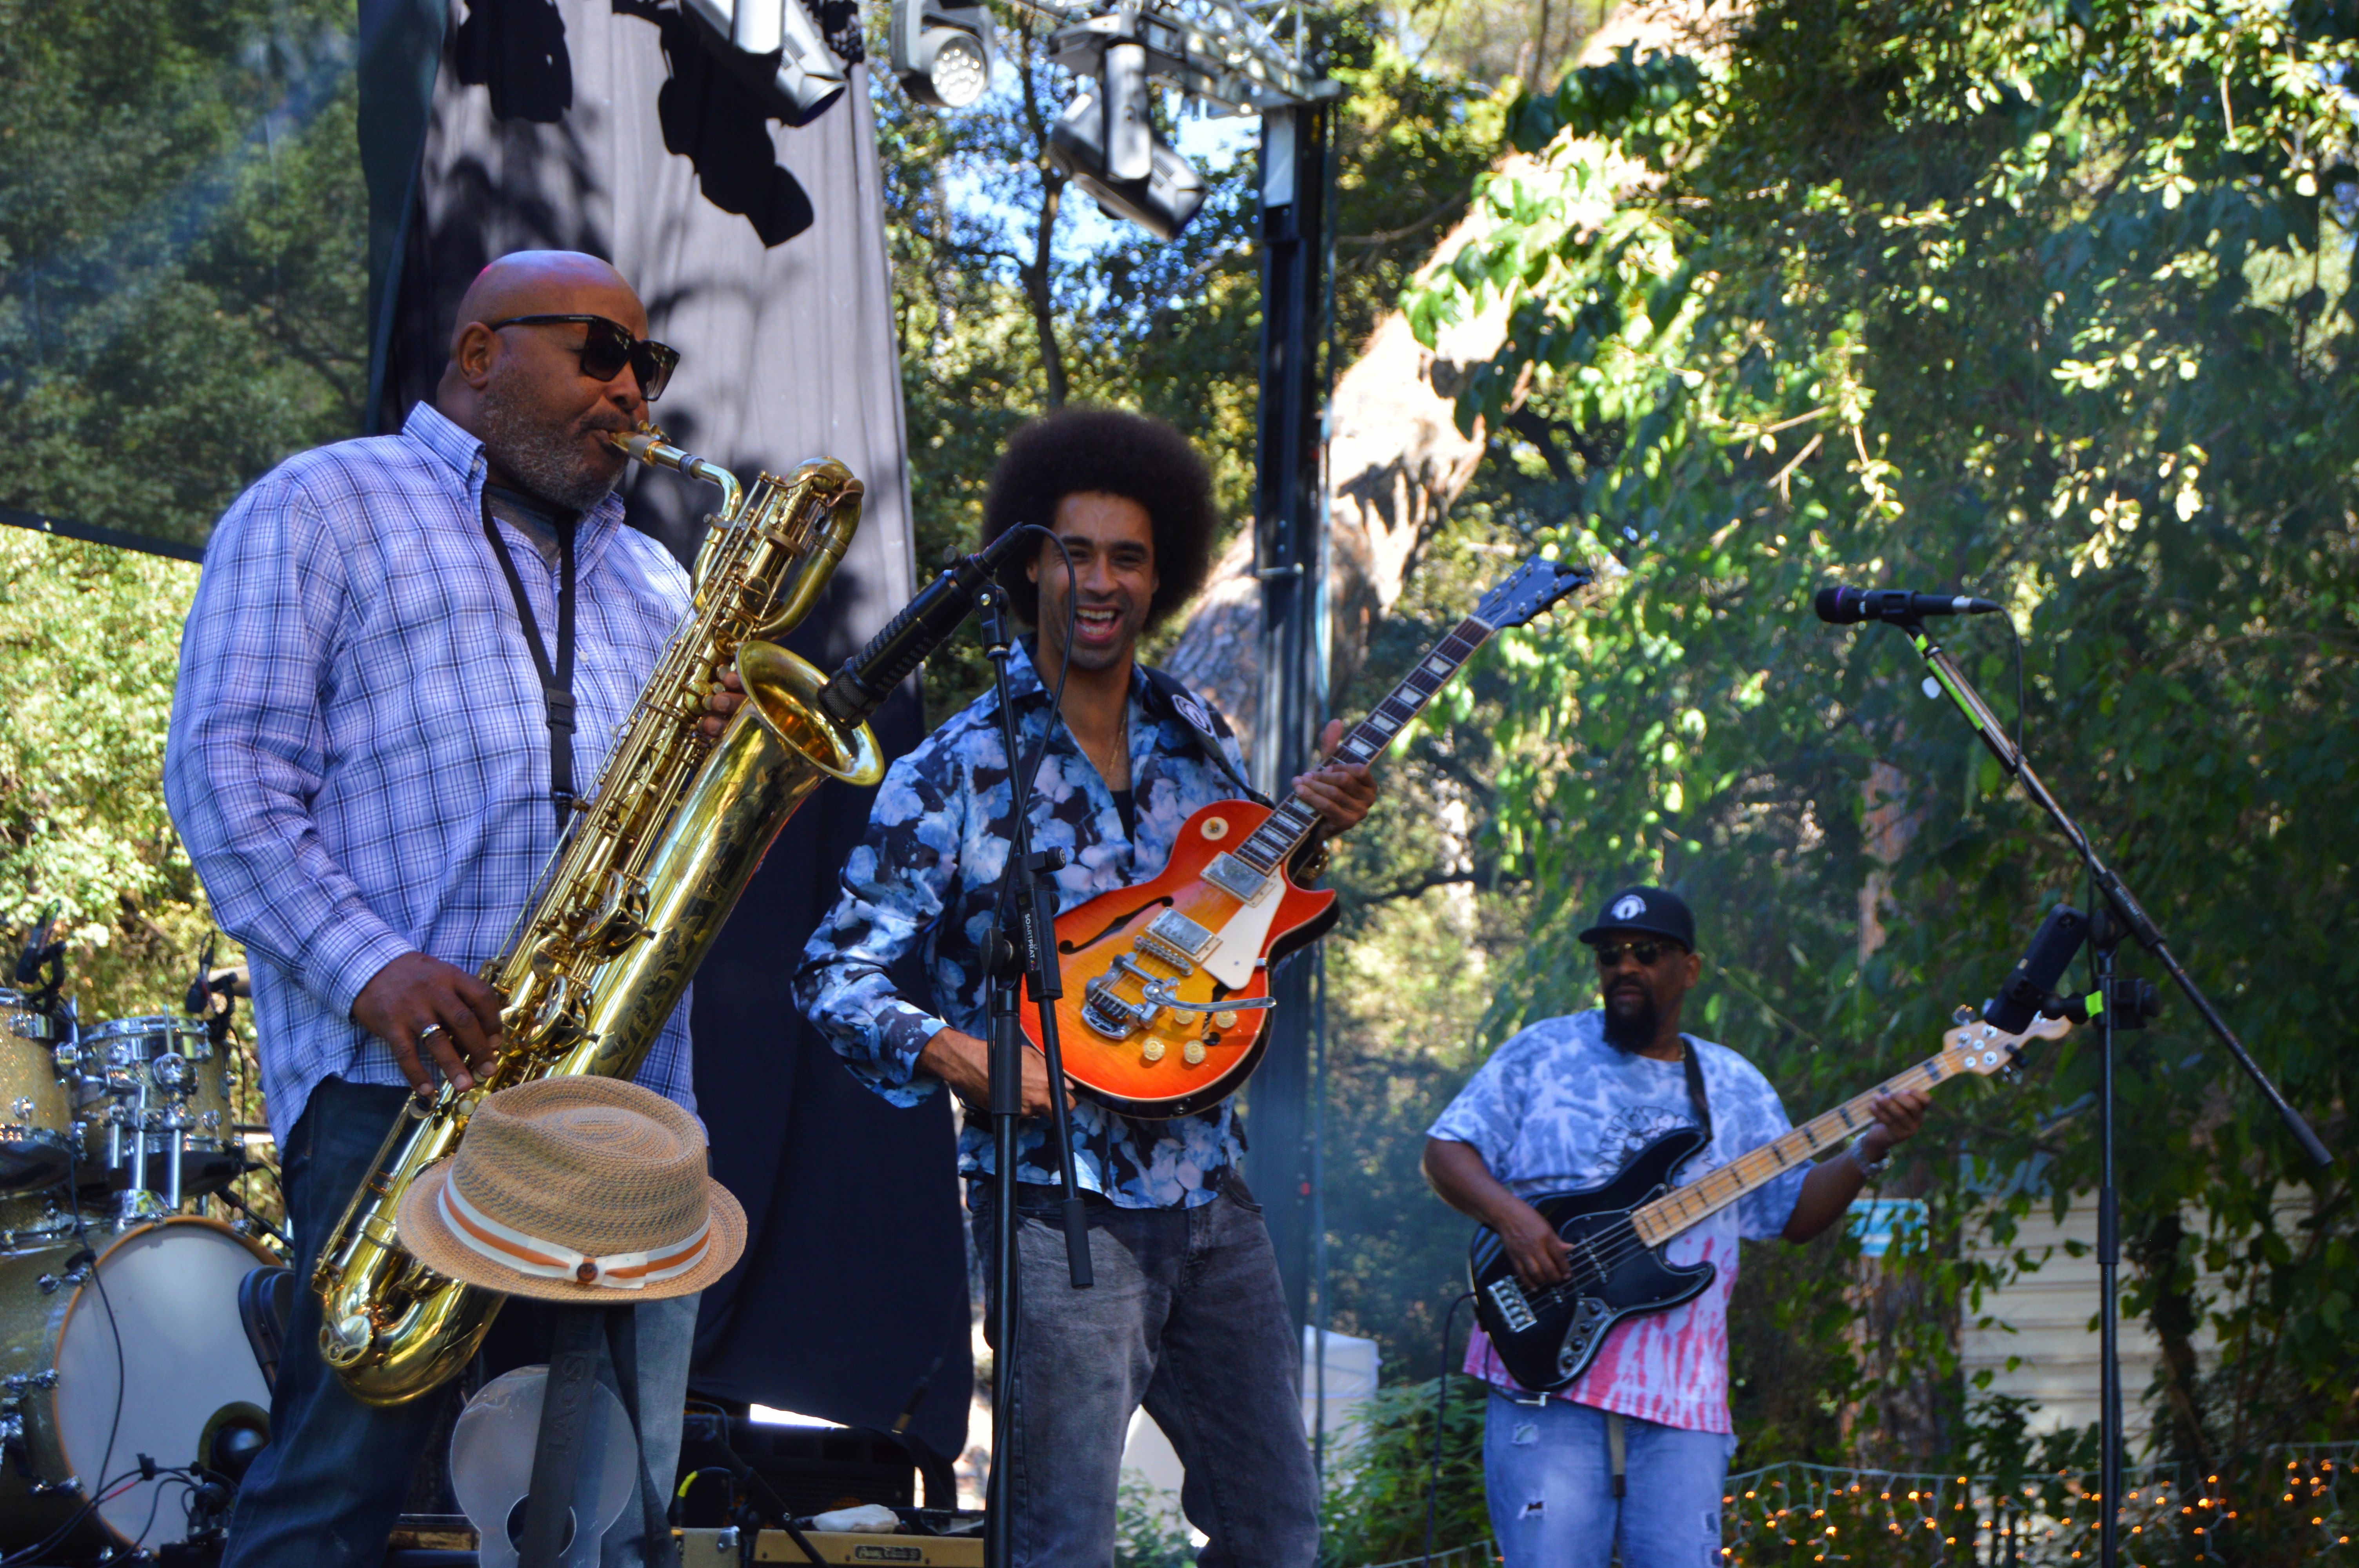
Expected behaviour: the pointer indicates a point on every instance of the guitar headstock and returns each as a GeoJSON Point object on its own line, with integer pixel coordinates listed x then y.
{"type": "Point", "coordinates": [1530, 589]}
{"type": "Point", "coordinates": [1977, 1047]}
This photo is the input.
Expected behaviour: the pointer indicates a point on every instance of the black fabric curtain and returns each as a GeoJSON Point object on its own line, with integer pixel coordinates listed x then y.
{"type": "Point", "coordinates": [618, 127]}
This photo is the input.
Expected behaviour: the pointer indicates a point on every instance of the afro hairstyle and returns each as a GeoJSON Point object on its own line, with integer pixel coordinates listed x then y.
{"type": "Point", "coordinates": [1075, 451]}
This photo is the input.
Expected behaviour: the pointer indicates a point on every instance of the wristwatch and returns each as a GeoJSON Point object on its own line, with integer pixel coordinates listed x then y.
{"type": "Point", "coordinates": [1869, 1168]}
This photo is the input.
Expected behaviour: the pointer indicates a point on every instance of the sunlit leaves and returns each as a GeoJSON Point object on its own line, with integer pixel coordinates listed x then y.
{"type": "Point", "coordinates": [2046, 301]}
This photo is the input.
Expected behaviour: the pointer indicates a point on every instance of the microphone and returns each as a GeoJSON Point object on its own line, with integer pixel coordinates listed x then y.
{"type": "Point", "coordinates": [925, 623]}
{"type": "Point", "coordinates": [1847, 606]}
{"type": "Point", "coordinates": [2035, 975]}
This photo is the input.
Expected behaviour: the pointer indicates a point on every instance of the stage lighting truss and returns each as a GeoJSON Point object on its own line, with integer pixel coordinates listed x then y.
{"type": "Point", "coordinates": [1225, 53]}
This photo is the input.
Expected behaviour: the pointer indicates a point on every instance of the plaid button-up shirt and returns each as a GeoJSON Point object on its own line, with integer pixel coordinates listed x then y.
{"type": "Point", "coordinates": [359, 752]}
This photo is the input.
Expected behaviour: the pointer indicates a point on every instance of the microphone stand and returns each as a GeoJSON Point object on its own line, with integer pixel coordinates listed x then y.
{"type": "Point", "coordinates": [2121, 916]}
{"type": "Point", "coordinates": [1023, 954]}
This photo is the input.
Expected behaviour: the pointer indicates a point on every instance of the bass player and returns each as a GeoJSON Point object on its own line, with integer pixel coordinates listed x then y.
{"type": "Point", "coordinates": [401, 649]}
{"type": "Point", "coordinates": [1632, 1452]}
{"type": "Point", "coordinates": [1187, 1315]}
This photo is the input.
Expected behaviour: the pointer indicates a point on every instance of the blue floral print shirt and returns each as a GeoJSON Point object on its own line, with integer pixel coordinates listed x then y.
{"type": "Point", "coordinates": [926, 876]}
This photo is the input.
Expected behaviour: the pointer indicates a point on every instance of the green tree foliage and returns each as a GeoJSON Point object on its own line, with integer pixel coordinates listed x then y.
{"type": "Point", "coordinates": [92, 638]}
{"type": "Point", "coordinates": [182, 256]}
{"type": "Point", "coordinates": [1376, 1510]}
{"type": "Point", "coordinates": [2046, 299]}
{"type": "Point", "coordinates": [1012, 297]}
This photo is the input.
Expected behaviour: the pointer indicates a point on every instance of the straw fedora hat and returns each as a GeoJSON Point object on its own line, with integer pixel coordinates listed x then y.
{"type": "Point", "coordinates": [576, 1189]}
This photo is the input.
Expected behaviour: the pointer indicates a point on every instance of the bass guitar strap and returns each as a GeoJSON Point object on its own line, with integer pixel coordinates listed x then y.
{"type": "Point", "coordinates": [1695, 1086]}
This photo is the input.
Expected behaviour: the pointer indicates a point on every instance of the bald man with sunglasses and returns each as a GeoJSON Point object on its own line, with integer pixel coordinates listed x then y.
{"type": "Point", "coordinates": [1631, 1452]}
{"type": "Point", "coordinates": [407, 654]}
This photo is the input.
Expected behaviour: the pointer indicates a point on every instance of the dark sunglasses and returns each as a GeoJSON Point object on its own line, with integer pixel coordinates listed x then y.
{"type": "Point", "coordinates": [607, 347]}
{"type": "Point", "coordinates": [1610, 953]}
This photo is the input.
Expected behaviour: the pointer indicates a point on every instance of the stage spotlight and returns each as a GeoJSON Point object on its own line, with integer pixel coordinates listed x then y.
{"type": "Point", "coordinates": [943, 54]}
{"type": "Point", "coordinates": [775, 47]}
{"type": "Point", "coordinates": [1112, 153]}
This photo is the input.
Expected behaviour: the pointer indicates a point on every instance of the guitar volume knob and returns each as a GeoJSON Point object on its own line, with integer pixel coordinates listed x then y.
{"type": "Point", "coordinates": [1152, 1052]}
{"type": "Point", "coordinates": [1192, 1053]}
{"type": "Point", "coordinates": [1225, 1019]}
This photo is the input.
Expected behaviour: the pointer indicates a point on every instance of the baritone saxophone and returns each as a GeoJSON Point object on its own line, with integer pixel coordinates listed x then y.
{"type": "Point", "coordinates": [633, 897]}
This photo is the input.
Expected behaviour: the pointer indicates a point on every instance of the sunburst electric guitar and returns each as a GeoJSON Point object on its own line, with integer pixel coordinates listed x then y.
{"type": "Point", "coordinates": [1167, 982]}
{"type": "Point", "coordinates": [1617, 1231]}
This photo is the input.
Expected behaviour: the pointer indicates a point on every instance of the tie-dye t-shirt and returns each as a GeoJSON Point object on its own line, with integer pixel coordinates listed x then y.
{"type": "Point", "coordinates": [1555, 1110]}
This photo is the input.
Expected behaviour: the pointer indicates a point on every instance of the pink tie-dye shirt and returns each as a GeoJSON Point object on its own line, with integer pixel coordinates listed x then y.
{"type": "Point", "coordinates": [1556, 1110]}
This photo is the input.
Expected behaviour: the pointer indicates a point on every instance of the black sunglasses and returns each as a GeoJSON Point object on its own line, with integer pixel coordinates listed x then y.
{"type": "Point", "coordinates": [607, 347]}
{"type": "Point", "coordinates": [1610, 953]}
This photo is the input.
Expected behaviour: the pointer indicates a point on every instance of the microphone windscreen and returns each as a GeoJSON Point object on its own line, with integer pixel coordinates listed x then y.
{"type": "Point", "coordinates": [1837, 606]}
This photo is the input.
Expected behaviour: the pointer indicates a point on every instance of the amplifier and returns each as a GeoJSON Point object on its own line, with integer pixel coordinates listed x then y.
{"type": "Point", "coordinates": [721, 1549]}
{"type": "Point", "coordinates": [813, 1469]}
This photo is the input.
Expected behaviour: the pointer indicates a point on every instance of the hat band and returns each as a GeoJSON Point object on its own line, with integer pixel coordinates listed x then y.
{"type": "Point", "coordinates": [544, 1259]}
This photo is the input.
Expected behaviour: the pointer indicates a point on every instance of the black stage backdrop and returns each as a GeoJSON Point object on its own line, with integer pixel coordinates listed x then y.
{"type": "Point", "coordinates": [611, 126]}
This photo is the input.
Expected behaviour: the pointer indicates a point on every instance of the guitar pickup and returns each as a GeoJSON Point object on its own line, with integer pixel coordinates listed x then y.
{"type": "Point", "coordinates": [1233, 877]}
{"type": "Point", "coordinates": [1514, 1310]}
{"type": "Point", "coordinates": [1176, 939]}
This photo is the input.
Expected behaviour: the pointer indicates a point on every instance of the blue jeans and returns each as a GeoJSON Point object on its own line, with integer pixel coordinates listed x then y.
{"type": "Point", "coordinates": [1550, 1479]}
{"type": "Point", "coordinates": [325, 1492]}
{"type": "Point", "coordinates": [1187, 1317]}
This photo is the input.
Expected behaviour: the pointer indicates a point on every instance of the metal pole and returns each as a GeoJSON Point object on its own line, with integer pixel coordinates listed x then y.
{"type": "Point", "coordinates": [2109, 1325]}
{"type": "Point", "coordinates": [1290, 535]}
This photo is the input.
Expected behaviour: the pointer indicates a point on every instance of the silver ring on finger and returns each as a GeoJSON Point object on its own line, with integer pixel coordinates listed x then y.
{"type": "Point", "coordinates": [429, 1033]}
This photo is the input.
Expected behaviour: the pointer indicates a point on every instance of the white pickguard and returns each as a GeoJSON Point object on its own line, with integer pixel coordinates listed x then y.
{"type": "Point", "coordinates": [1236, 946]}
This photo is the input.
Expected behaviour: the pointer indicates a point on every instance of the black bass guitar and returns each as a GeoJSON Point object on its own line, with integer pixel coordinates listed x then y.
{"type": "Point", "coordinates": [1618, 1229]}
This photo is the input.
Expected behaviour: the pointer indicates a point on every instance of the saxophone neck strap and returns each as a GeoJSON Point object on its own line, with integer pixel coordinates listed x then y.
{"type": "Point", "coordinates": [556, 680]}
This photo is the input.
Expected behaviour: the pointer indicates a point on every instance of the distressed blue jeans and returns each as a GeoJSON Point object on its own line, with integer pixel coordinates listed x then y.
{"type": "Point", "coordinates": [325, 1492]}
{"type": "Point", "coordinates": [1187, 1317]}
{"type": "Point", "coordinates": [1548, 1472]}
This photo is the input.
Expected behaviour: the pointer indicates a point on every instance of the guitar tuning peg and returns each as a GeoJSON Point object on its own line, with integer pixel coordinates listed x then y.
{"type": "Point", "coordinates": [1963, 1014]}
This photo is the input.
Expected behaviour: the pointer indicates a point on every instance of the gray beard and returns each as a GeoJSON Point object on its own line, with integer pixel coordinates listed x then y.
{"type": "Point", "coordinates": [1633, 1032]}
{"type": "Point", "coordinates": [539, 450]}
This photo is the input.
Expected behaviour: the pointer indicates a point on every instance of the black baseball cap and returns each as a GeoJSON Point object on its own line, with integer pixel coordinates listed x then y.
{"type": "Point", "coordinates": [1653, 911]}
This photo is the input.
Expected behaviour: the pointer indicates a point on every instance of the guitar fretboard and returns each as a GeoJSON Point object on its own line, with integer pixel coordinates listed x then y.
{"type": "Point", "coordinates": [1684, 1207]}
{"type": "Point", "coordinates": [1290, 827]}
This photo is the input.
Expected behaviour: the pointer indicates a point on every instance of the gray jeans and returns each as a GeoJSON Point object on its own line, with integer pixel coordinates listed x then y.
{"type": "Point", "coordinates": [1187, 1317]}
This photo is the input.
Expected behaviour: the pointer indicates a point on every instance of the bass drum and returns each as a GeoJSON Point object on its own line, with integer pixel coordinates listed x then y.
{"type": "Point", "coordinates": [160, 1304]}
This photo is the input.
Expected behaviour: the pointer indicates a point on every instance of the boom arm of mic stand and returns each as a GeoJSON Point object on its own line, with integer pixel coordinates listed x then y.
{"type": "Point", "coordinates": [2109, 883]}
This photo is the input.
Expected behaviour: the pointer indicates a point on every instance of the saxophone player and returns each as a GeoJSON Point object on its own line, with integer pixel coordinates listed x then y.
{"type": "Point", "coordinates": [406, 654]}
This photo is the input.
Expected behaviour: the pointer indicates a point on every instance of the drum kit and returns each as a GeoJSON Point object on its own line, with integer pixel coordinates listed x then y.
{"type": "Point", "coordinates": [131, 1394]}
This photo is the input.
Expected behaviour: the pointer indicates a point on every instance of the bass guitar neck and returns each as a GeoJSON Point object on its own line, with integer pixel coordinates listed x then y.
{"type": "Point", "coordinates": [1615, 1232]}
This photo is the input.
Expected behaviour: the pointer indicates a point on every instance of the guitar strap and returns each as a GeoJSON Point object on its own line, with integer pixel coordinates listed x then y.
{"type": "Point", "coordinates": [1207, 728]}
{"type": "Point", "coordinates": [1695, 1086]}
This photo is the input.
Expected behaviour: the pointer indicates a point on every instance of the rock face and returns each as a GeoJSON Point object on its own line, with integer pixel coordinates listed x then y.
{"type": "Point", "coordinates": [1395, 459]}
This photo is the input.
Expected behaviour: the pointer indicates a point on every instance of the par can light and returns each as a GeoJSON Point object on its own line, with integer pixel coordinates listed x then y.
{"type": "Point", "coordinates": [943, 54]}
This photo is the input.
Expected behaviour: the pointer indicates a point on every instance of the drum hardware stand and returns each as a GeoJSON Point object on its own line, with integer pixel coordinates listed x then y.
{"type": "Point", "coordinates": [1022, 955]}
{"type": "Point", "coordinates": [41, 953]}
{"type": "Point", "coordinates": [2120, 916]}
